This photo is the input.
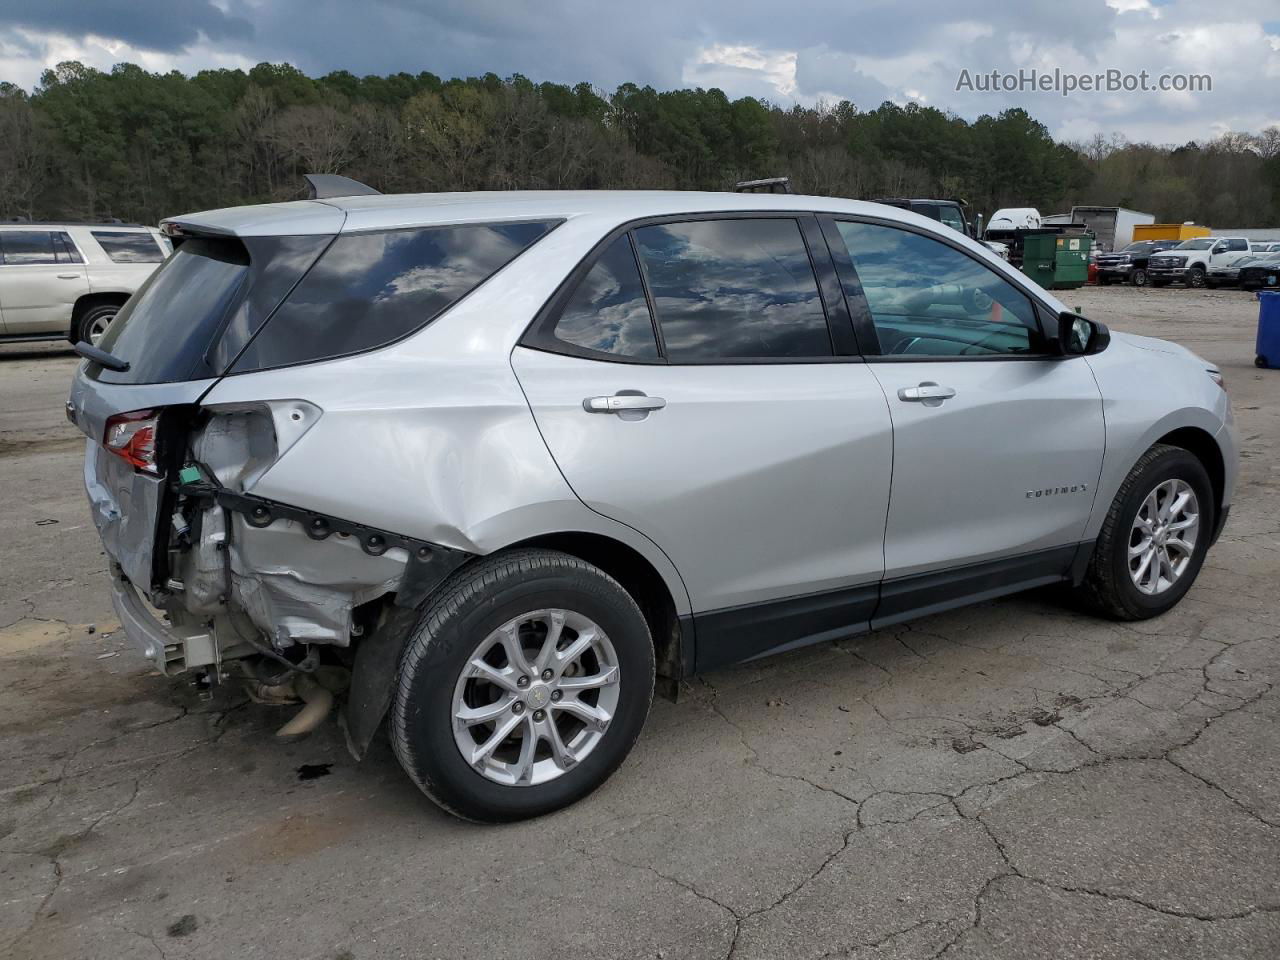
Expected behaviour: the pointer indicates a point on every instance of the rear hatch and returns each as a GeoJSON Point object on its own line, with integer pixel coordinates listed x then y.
{"type": "Point", "coordinates": [176, 336]}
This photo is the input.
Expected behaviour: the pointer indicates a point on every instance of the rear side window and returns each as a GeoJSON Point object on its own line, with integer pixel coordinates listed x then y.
{"type": "Point", "coordinates": [608, 312]}
{"type": "Point", "coordinates": [32, 247]}
{"type": "Point", "coordinates": [734, 289]}
{"type": "Point", "coordinates": [125, 247]}
{"type": "Point", "coordinates": [370, 289]}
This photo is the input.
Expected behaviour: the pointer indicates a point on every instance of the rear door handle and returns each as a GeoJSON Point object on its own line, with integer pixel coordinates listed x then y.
{"type": "Point", "coordinates": [928, 393]}
{"type": "Point", "coordinates": [68, 276]}
{"type": "Point", "coordinates": [622, 402]}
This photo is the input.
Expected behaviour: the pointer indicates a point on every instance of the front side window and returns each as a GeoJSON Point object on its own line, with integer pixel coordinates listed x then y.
{"type": "Point", "coordinates": [370, 289]}
{"type": "Point", "coordinates": [952, 218]}
{"type": "Point", "coordinates": [608, 312]}
{"type": "Point", "coordinates": [929, 299]}
{"type": "Point", "coordinates": [125, 247]}
{"type": "Point", "coordinates": [734, 289]}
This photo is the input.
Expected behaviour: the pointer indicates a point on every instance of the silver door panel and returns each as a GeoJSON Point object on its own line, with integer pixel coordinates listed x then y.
{"type": "Point", "coordinates": [1008, 464]}
{"type": "Point", "coordinates": [760, 481]}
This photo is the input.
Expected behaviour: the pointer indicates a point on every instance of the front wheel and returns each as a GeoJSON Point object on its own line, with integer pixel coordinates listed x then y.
{"type": "Point", "coordinates": [1195, 277]}
{"type": "Point", "coordinates": [524, 687]}
{"type": "Point", "coordinates": [1138, 277]}
{"type": "Point", "coordinates": [1154, 538]}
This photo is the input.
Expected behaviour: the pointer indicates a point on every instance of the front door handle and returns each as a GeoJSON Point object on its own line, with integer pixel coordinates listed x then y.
{"type": "Point", "coordinates": [68, 276]}
{"type": "Point", "coordinates": [928, 393]}
{"type": "Point", "coordinates": [622, 402]}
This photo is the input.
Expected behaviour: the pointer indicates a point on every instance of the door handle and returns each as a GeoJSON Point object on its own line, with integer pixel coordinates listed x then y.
{"type": "Point", "coordinates": [621, 402]}
{"type": "Point", "coordinates": [928, 393]}
{"type": "Point", "coordinates": [68, 276]}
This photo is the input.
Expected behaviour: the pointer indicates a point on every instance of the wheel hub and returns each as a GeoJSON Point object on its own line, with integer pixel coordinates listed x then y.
{"type": "Point", "coordinates": [1163, 537]}
{"type": "Point", "coordinates": [539, 696]}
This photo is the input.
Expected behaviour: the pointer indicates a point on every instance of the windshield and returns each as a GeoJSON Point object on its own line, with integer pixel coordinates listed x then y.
{"type": "Point", "coordinates": [1203, 243]}
{"type": "Point", "coordinates": [1142, 246]}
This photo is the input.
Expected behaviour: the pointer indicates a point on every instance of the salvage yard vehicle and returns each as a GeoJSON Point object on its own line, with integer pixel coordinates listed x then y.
{"type": "Point", "coordinates": [1261, 272]}
{"type": "Point", "coordinates": [514, 460]}
{"type": "Point", "coordinates": [67, 281]}
{"type": "Point", "coordinates": [1191, 260]}
{"type": "Point", "coordinates": [1129, 264]}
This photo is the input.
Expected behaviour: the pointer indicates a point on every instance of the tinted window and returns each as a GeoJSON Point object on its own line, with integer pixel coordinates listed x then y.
{"type": "Point", "coordinates": [1237, 244]}
{"type": "Point", "coordinates": [608, 311]}
{"type": "Point", "coordinates": [951, 217]}
{"type": "Point", "coordinates": [727, 289]}
{"type": "Point", "coordinates": [929, 299]}
{"type": "Point", "coordinates": [28, 247]}
{"type": "Point", "coordinates": [128, 247]}
{"type": "Point", "coordinates": [193, 315]}
{"type": "Point", "coordinates": [369, 289]}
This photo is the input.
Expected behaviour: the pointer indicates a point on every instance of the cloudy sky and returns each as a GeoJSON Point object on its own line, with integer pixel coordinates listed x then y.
{"type": "Point", "coordinates": [800, 51]}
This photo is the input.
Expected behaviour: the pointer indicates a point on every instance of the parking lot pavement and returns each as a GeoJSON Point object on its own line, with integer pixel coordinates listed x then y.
{"type": "Point", "coordinates": [1013, 780]}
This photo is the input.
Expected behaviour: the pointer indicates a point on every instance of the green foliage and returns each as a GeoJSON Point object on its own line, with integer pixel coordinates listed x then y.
{"type": "Point", "coordinates": [139, 145]}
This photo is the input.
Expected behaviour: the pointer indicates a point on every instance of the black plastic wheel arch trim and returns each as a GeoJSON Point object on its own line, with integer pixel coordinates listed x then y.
{"type": "Point", "coordinates": [428, 564]}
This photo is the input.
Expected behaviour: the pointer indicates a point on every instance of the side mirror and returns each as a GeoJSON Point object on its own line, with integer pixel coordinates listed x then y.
{"type": "Point", "coordinates": [1079, 336]}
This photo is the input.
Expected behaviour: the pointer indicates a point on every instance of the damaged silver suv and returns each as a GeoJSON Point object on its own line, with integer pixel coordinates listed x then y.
{"type": "Point", "coordinates": [494, 467]}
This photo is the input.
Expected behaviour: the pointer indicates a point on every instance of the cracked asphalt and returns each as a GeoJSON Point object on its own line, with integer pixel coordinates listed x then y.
{"type": "Point", "coordinates": [1013, 780]}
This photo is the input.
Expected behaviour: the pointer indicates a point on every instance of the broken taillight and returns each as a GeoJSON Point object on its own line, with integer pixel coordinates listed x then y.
{"type": "Point", "coordinates": [132, 437]}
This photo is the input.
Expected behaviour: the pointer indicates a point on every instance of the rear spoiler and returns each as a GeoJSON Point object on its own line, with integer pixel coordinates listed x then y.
{"type": "Point", "coordinates": [322, 186]}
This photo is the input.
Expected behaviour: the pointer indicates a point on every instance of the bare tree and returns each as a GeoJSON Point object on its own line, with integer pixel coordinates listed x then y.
{"type": "Point", "coordinates": [24, 153]}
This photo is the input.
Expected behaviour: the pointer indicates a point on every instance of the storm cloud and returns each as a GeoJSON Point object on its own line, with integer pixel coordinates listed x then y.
{"type": "Point", "coordinates": [801, 52]}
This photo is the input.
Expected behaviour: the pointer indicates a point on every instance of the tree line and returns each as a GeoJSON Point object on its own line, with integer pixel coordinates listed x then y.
{"type": "Point", "coordinates": [89, 144]}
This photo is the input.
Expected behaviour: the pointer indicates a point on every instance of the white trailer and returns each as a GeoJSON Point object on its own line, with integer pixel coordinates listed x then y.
{"type": "Point", "coordinates": [1112, 227]}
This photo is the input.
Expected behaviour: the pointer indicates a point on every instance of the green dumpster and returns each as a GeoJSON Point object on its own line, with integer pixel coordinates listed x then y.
{"type": "Point", "coordinates": [1038, 252]}
{"type": "Point", "coordinates": [1055, 260]}
{"type": "Point", "coordinates": [1071, 262]}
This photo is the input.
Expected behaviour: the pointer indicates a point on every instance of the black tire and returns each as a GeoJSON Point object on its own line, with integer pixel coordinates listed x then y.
{"type": "Point", "coordinates": [88, 318]}
{"type": "Point", "coordinates": [473, 603]}
{"type": "Point", "coordinates": [1195, 277]}
{"type": "Point", "coordinates": [1108, 587]}
{"type": "Point", "coordinates": [1261, 362]}
{"type": "Point", "coordinates": [1104, 280]}
{"type": "Point", "coordinates": [1138, 277]}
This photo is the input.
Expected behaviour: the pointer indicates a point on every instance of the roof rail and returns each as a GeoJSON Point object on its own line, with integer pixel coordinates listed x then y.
{"type": "Point", "coordinates": [105, 222]}
{"type": "Point", "coordinates": [323, 186]}
{"type": "Point", "coordinates": [767, 185]}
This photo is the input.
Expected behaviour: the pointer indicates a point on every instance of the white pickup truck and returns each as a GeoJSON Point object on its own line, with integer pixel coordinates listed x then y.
{"type": "Point", "coordinates": [1193, 261]}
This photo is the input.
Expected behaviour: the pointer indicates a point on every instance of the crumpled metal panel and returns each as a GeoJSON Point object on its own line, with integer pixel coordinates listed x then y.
{"type": "Point", "coordinates": [124, 505]}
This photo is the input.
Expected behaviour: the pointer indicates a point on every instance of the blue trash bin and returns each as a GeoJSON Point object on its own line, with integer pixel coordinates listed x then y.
{"type": "Point", "coordinates": [1268, 329]}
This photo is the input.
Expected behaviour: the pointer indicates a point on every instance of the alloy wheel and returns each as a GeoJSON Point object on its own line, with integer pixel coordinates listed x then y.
{"type": "Point", "coordinates": [536, 697]}
{"type": "Point", "coordinates": [99, 326]}
{"type": "Point", "coordinates": [1162, 540]}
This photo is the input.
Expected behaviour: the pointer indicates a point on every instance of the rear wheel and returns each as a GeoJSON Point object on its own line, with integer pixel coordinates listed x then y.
{"type": "Point", "coordinates": [93, 323]}
{"type": "Point", "coordinates": [1154, 538]}
{"type": "Point", "coordinates": [524, 688]}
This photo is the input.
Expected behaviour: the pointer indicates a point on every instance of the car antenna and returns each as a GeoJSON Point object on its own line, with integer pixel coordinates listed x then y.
{"type": "Point", "coordinates": [323, 186]}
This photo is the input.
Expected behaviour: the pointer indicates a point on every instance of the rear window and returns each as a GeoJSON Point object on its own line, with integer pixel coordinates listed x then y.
{"type": "Point", "coordinates": [371, 289]}
{"type": "Point", "coordinates": [125, 247]}
{"type": "Point", "coordinates": [202, 305]}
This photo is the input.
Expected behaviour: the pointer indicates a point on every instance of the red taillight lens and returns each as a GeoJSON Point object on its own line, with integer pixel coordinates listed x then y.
{"type": "Point", "coordinates": [132, 437]}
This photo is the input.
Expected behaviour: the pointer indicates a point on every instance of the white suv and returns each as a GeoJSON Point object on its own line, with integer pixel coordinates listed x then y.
{"type": "Point", "coordinates": [65, 280]}
{"type": "Point", "coordinates": [503, 458]}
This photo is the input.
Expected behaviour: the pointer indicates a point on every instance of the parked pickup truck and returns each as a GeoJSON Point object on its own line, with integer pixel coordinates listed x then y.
{"type": "Point", "coordinates": [1129, 264]}
{"type": "Point", "coordinates": [1190, 260]}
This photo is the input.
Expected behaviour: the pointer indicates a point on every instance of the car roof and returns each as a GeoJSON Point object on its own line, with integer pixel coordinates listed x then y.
{"type": "Point", "coordinates": [68, 224]}
{"type": "Point", "coordinates": [389, 211]}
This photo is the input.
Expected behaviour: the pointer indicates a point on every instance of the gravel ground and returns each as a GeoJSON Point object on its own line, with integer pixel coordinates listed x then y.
{"type": "Point", "coordinates": [1013, 780]}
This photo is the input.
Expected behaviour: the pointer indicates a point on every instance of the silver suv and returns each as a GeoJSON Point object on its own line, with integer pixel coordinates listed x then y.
{"type": "Point", "coordinates": [493, 466]}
